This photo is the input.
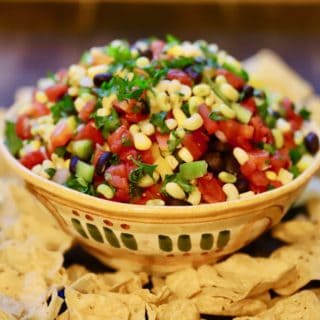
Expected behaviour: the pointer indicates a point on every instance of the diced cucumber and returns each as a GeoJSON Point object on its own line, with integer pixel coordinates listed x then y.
{"type": "Point", "coordinates": [193, 170]}
{"type": "Point", "coordinates": [82, 149]}
{"type": "Point", "coordinates": [242, 114]}
{"type": "Point", "coordinates": [105, 190]}
{"type": "Point", "coordinates": [84, 171]}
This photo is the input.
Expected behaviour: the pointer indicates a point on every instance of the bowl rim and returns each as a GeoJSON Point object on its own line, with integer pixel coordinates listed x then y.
{"type": "Point", "coordinates": [135, 211]}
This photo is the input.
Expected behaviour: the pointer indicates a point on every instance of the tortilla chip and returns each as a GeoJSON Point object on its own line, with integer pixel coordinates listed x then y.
{"type": "Point", "coordinates": [294, 230]}
{"type": "Point", "coordinates": [6, 316]}
{"type": "Point", "coordinates": [305, 257]}
{"type": "Point", "coordinates": [157, 284]}
{"type": "Point", "coordinates": [161, 297]}
{"type": "Point", "coordinates": [301, 306]}
{"type": "Point", "coordinates": [75, 272]}
{"type": "Point", "coordinates": [259, 67]}
{"type": "Point", "coordinates": [94, 306]}
{"type": "Point", "coordinates": [184, 283]}
{"type": "Point", "coordinates": [215, 305]}
{"type": "Point", "coordinates": [151, 312]}
{"type": "Point", "coordinates": [181, 309]}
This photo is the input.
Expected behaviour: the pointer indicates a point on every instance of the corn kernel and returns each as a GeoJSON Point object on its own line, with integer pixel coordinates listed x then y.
{"type": "Point", "coordinates": [298, 137]}
{"type": "Point", "coordinates": [175, 51]}
{"type": "Point", "coordinates": [227, 177]}
{"type": "Point", "coordinates": [146, 181]}
{"type": "Point", "coordinates": [226, 111]}
{"type": "Point", "coordinates": [271, 175]}
{"type": "Point", "coordinates": [41, 97]}
{"type": "Point", "coordinates": [172, 161]}
{"type": "Point", "coordinates": [210, 100]}
{"type": "Point", "coordinates": [174, 87]}
{"type": "Point", "coordinates": [186, 92]}
{"type": "Point", "coordinates": [179, 116]}
{"type": "Point", "coordinates": [194, 103]}
{"type": "Point", "coordinates": [229, 92]}
{"type": "Point", "coordinates": [75, 74]}
{"type": "Point", "coordinates": [163, 167]}
{"type": "Point", "coordinates": [141, 141]}
{"type": "Point", "coordinates": [305, 162]}
{"type": "Point", "coordinates": [285, 176]}
{"type": "Point", "coordinates": [193, 123]}
{"type": "Point", "coordinates": [174, 190]}
{"type": "Point", "coordinates": [283, 125]}
{"type": "Point", "coordinates": [73, 91]}
{"type": "Point", "coordinates": [134, 128]}
{"type": "Point", "coordinates": [155, 202]}
{"type": "Point", "coordinates": [171, 123]}
{"type": "Point", "coordinates": [220, 79]}
{"type": "Point", "coordinates": [194, 197]}
{"type": "Point", "coordinates": [201, 90]}
{"type": "Point", "coordinates": [230, 191]}
{"type": "Point", "coordinates": [185, 155]}
{"type": "Point", "coordinates": [241, 155]}
{"type": "Point", "coordinates": [142, 62]}
{"type": "Point", "coordinates": [147, 128]}
{"type": "Point", "coordinates": [278, 138]}
{"type": "Point", "coordinates": [180, 133]}
{"type": "Point", "coordinates": [79, 103]}
{"type": "Point", "coordinates": [163, 101]}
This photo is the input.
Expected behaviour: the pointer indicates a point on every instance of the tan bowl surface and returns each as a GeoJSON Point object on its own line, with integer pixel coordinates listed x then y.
{"type": "Point", "coordinates": [161, 239]}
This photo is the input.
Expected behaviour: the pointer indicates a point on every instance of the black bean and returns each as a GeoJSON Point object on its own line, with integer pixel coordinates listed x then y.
{"type": "Point", "coordinates": [103, 163]}
{"type": "Point", "coordinates": [176, 202]}
{"type": "Point", "coordinates": [215, 161]}
{"type": "Point", "coordinates": [311, 142]}
{"type": "Point", "coordinates": [231, 165]}
{"type": "Point", "coordinates": [247, 91]}
{"type": "Point", "coordinates": [193, 74]}
{"type": "Point", "coordinates": [242, 184]}
{"type": "Point", "coordinates": [73, 163]}
{"type": "Point", "coordinates": [146, 53]}
{"type": "Point", "coordinates": [100, 78]}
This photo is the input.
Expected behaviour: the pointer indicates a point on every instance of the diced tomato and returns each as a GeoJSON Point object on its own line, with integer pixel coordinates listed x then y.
{"type": "Point", "coordinates": [162, 140]}
{"type": "Point", "coordinates": [295, 119]}
{"type": "Point", "coordinates": [236, 81]}
{"type": "Point", "coordinates": [176, 74]}
{"type": "Point", "coordinates": [210, 125]}
{"type": "Point", "coordinates": [150, 193]}
{"type": "Point", "coordinates": [98, 180]}
{"type": "Point", "coordinates": [261, 132]}
{"type": "Point", "coordinates": [135, 117]}
{"type": "Point", "coordinates": [258, 189]}
{"type": "Point", "coordinates": [33, 158]}
{"type": "Point", "coordinates": [87, 110]}
{"type": "Point", "coordinates": [128, 153]}
{"type": "Point", "coordinates": [211, 189]}
{"type": "Point", "coordinates": [260, 158]}
{"type": "Point", "coordinates": [56, 91]}
{"type": "Point", "coordinates": [147, 157]}
{"type": "Point", "coordinates": [275, 184]}
{"type": "Point", "coordinates": [61, 135]}
{"type": "Point", "coordinates": [118, 170]}
{"type": "Point", "coordinates": [37, 110]}
{"type": "Point", "coordinates": [248, 168]}
{"type": "Point", "coordinates": [115, 140]}
{"type": "Point", "coordinates": [288, 140]}
{"type": "Point", "coordinates": [119, 180]}
{"type": "Point", "coordinates": [237, 134]}
{"type": "Point", "coordinates": [259, 179]}
{"type": "Point", "coordinates": [249, 104]}
{"type": "Point", "coordinates": [280, 159]}
{"type": "Point", "coordinates": [196, 142]}
{"type": "Point", "coordinates": [23, 127]}
{"type": "Point", "coordinates": [156, 48]}
{"type": "Point", "coordinates": [90, 132]}
{"type": "Point", "coordinates": [122, 195]}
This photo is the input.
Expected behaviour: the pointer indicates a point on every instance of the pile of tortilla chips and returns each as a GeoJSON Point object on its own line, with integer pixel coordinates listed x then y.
{"type": "Point", "coordinates": [35, 284]}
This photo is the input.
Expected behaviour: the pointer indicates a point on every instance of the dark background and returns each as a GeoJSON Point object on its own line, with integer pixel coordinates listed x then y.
{"type": "Point", "coordinates": [42, 36]}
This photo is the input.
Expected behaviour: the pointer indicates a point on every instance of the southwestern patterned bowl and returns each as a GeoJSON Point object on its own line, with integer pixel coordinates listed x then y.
{"type": "Point", "coordinates": [161, 239]}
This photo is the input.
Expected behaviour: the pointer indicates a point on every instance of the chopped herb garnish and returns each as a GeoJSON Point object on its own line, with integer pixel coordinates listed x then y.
{"type": "Point", "coordinates": [137, 173]}
{"type": "Point", "coordinates": [170, 39]}
{"type": "Point", "coordinates": [217, 116]}
{"type": "Point", "coordinates": [63, 108]}
{"type": "Point", "coordinates": [51, 172]}
{"type": "Point", "coordinates": [60, 152]}
{"type": "Point", "coordinates": [184, 184]}
{"type": "Point", "coordinates": [295, 171]}
{"type": "Point", "coordinates": [173, 142]}
{"type": "Point", "coordinates": [297, 153]}
{"type": "Point", "coordinates": [186, 110]}
{"type": "Point", "coordinates": [13, 142]}
{"type": "Point", "coordinates": [108, 123]}
{"type": "Point", "coordinates": [158, 120]}
{"type": "Point", "coordinates": [269, 148]}
{"type": "Point", "coordinates": [126, 142]}
{"type": "Point", "coordinates": [305, 114]}
{"type": "Point", "coordinates": [120, 54]}
{"type": "Point", "coordinates": [79, 184]}
{"type": "Point", "coordinates": [238, 72]}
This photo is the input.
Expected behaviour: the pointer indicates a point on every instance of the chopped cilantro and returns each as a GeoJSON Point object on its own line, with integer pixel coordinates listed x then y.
{"type": "Point", "coordinates": [173, 142]}
{"type": "Point", "coordinates": [126, 142]}
{"type": "Point", "coordinates": [51, 172]}
{"type": "Point", "coordinates": [305, 114]}
{"type": "Point", "coordinates": [60, 151]}
{"type": "Point", "coordinates": [63, 108]}
{"type": "Point", "coordinates": [240, 73]}
{"type": "Point", "coordinates": [295, 171]}
{"type": "Point", "coordinates": [296, 153]}
{"type": "Point", "coordinates": [12, 141]}
{"type": "Point", "coordinates": [217, 116]}
{"type": "Point", "coordinates": [184, 184]}
{"type": "Point", "coordinates": [79, 184]}
{"type": "Point", "coordinates": [170, 39]}
{"type": "Point", "coordinates": [186, 110]}
{"type": "Point", "coordinates": [108, 123]}
{"type": "Point", "coordinates": [86, 58]}
{"type": "Point", "coordinates": [120, 54]}
{"type": "Point", "coordinates": [158, 120]}
{"type": "Point", "coordinates": [178, 63]}
{"type": "Point", "coordinates": [269, 148]}
{"type": "Point", "coordinates": [137, 173]}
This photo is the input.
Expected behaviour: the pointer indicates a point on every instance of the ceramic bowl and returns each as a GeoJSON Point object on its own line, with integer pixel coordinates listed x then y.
{"type": "Point", "coordinates": [161, 239]}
